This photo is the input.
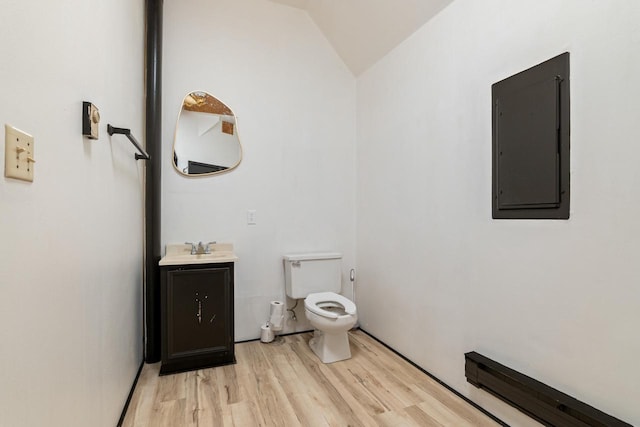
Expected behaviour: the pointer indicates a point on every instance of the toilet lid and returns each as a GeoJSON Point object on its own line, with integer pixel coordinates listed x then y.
{"type": "Point", "coordinates": [312, 301]}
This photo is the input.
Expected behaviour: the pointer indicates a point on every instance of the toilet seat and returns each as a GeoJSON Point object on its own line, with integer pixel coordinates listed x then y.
{"type": "Point", "coordinates": [312, 301]}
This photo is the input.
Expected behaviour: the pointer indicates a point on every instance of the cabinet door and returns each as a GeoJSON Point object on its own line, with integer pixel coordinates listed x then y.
{"type": "Point", "coordinates": [198, 303]}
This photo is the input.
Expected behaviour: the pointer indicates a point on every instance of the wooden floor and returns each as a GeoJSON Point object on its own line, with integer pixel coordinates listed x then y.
{"type": "Point", "coordinates": [284, 384]}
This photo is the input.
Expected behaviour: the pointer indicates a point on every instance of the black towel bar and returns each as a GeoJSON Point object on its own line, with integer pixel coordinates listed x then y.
{"type": "Point", "coordinates": [127, 132]}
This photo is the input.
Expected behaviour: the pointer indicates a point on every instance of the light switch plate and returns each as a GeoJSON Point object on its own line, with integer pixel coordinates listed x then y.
{"type": "Point", "coordinates": [18, 154]}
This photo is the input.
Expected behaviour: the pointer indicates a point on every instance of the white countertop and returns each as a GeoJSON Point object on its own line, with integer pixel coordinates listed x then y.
{"type": "Point", "coordinates": [180, 254]}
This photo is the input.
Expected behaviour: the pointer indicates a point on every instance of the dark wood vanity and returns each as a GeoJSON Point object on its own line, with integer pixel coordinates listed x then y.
{"type": "Point", "coordinates": [196, 316]}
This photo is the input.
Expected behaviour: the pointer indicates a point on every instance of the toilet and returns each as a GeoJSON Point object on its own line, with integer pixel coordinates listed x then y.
{"type": "Point", "coordinates": [317, 278]}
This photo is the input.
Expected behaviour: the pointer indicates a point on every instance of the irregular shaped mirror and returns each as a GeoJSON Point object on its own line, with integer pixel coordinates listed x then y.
{"type": "Point", "coordinates": [206, 140]}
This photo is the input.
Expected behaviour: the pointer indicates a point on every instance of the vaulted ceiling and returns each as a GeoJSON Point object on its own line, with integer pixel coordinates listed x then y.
{"type": "Point", "coordinates": [363, 31]}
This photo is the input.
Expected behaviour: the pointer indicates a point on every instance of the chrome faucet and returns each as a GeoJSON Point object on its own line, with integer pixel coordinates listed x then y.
{"type": "Point", "coordinates": [200, 248]}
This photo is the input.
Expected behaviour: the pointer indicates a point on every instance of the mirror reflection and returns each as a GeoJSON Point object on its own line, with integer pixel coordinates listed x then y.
{"type": "Point", "coordinates": [206, 139]}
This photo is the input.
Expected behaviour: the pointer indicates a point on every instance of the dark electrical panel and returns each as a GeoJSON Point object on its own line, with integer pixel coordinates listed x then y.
{"type": "Point", "coordinates": [531, 143]}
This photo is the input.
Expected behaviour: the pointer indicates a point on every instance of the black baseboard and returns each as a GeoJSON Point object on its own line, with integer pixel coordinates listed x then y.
{"type": "Point", "coordinates": [279, 335]}
{"type": "Point", "coordinates": [126, 404]}
{"type": "Point", "coordinates": [442, 383]}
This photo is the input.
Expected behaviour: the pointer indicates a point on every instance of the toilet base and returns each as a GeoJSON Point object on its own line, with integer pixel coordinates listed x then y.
{"type": "Point", "coordinates": [330, 347]}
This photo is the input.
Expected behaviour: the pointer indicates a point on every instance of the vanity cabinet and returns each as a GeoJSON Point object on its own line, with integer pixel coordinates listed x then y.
{"type": "Point", "coordinates": [197, 316]}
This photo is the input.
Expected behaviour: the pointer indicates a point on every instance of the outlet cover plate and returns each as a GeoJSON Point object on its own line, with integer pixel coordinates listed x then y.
{"type": "Point", "coordinates": [251, 217]}
{"type": "Point", "coordinates": [18, 154]}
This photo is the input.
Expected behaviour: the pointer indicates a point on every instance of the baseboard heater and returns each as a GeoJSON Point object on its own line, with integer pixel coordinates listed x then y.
{"type": "Point", "coordinates": [541, 402]}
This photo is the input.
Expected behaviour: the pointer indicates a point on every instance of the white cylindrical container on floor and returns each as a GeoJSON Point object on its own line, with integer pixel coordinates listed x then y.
{"type": "Point", "coordinates": [266, 334]}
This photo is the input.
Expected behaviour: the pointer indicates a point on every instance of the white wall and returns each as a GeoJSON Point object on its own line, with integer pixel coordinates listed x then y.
{"type": "Point", "coordinates": [557, 300]}
{"type": "Point", "coordinates": [71, 252]}
{"type": "Point", "coordinates": [295, 105]}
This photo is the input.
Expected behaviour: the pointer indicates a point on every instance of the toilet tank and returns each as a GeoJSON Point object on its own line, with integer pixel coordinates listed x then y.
{"type": "Point", "coordinates": [305, 274]}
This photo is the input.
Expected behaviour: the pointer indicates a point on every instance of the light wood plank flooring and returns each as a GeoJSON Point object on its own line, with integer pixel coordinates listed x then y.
{"type": "Point", "coordinates": [284, 384]}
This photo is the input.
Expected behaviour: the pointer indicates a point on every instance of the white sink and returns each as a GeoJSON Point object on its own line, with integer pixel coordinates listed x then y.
{"type": "Point", "coordinates": [180, 254]}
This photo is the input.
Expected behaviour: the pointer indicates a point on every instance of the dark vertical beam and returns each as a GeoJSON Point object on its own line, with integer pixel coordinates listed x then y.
{"type": "Point", "coordinates": [153, 128]}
